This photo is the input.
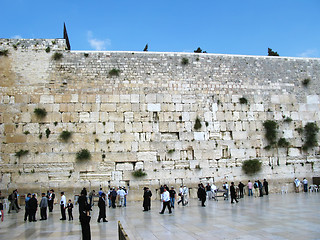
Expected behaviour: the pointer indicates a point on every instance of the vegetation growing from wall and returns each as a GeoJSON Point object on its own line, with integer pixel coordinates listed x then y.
{"type": "Point", "coordinates": [185, 61]}
{"type": "Point", "coordinates": [251, 166]}
{"type": "Point", "coordinates": [310, 131]}
{"type": "Point", "coordinates": [48, 132]}
{"type": "Point", "coordinates": [197, 124]}
{"type": "Point", "coordinates": [114, 72]}
{"type": "Point", "coordinates": [65, 136]}
{"type": "Point", "coordinates": [305, 82]}
{"type": "Point", "coordinates": [21, 153]}
{"type": "Point", "coordinates": [4, 52]}
{"type": "Point", "coordinates": [243, 100]}
{"type": "Point", "coordinates": [139, 173]}
{"type": "Point", "coordinates": [83, 155]}
{"type": "Point", "coordinates": [282, 142]}
{"type": "Point", "coordinates": [40, 112]}
{"type": "Point", "coordinates": [271, 132]}
{"type": "Point", "coordinates": [57, 56]}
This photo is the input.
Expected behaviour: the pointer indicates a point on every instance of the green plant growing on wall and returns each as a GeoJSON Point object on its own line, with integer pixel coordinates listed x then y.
{"type": "Point", "coordinates": [48, 132]}
{"type": "Point", "coordinates": [26, 132]}
{"type": "Point", "coordinates": [65, 136]}
{"type": "Point", "coordinates": [305, 82]}
{"type": "Point", "coordinates": [171, 151]}
{"type": "Point", "coordinates": [185, 61]}
{"type": "Point", "coordinates": [114, 72]}
{"type": "Point", "coordinates": [40, 136]}
{"type": "Point", "coordinates": [86, 55]}
{"type": "Point", "coordinates": [287, 120]}
{"type": "Point", "coordinates": [243, 100]}
{"type": "Point", "coordinates": [40, 112]}
{"type": "Point", "coordinates": [251, 166]}
{"type": "Point", "coordinates": [197, 167]}
{"type": "Point", "coordinates": [139, 173]}
{"type": "Point", "coordinates": [271, 132]}
{"type": "Point", "coordinates": [4, 52]}
{"type": "Point", "coordinates": [21, 153]}
{"type": "Point", "coordinates": [310, 131]}
{"type": "Point", "coordinates": [282, 142]}
{"type": "Point", "coordinates": [55, 123]}
{"type": "Point", "coordinates": [57, 56]}
{"type": "Point", "coordinates": [83, 155]}
{"type": "Point", "coordinates": [197, 124]}
{"type": "Point", "coordinates": [299, 130]}
{"type": "Point", "coordinates": [48, 49]}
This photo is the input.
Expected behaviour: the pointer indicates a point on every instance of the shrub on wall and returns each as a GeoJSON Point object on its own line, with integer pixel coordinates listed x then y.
{"type": "Point", "coordinates": [57, 56]}
{"type": "Point", "coordinates": [65, 135]}
{"type": "Point", "coordinates": [310, 130]}
{"type": "Point", "coordinates": [197, 124]}
{"type": "Point", "coordinates": [21, 153]}
{"type": "Point", "coordinates": [251, 166]}
{"type": "Point", "coordinates": [40, 112]}
{"type": "Point", "coordinates": [243, 100]}
{"type": "Point", "coordinates": [4, 52]}
{"type": "Point", "coordinates": [283, 143]}
{"type": "Point", "coordinates": [114, 72]}
{"type": "Point", "coordinates": [271, 132]}
{"type": "Point", "coordinates": [83, 154]}
{"type": "Point", "coordinates": [305, 82]}
{"type": "Point", "coordinates": [185, 61]}
{"type": "Point", "coordinates": [139, 173]}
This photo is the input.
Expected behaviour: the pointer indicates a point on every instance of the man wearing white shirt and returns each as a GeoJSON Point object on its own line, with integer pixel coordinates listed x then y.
{"type": "Point", "coordinates": [121, 193]}
{"type": "Point", "coordinates": [63, 204]}
{"type": "Point", "coordinates": [165, 197]}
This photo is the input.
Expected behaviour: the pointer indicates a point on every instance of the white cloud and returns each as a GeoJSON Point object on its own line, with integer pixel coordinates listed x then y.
{"type": "Point", "coordinates": [309, 53]}
{"type": "Point", "coordinates": [17, 37]}
{"type": "Point", "coordinates": [98, 44]}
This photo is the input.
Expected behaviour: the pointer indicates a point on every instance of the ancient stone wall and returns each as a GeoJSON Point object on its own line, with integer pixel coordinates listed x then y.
{"type": "Point", "coordinates": [144, 118]}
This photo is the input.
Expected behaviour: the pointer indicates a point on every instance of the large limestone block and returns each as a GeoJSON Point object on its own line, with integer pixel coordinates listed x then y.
{"type": "Point", "coordinates": [124, 166]}
{"type": "Point", "coordinates": [108, 107]}
{"type": "Point", "coordinates": [116, 175]}
{"type": "Point", "coordinates": [313, 99]}
{"type": "Point", "coordinates": [46, 98]}
{"type": "Point", "coordinates": [154, 107]}
{"type": "Point", "coordinates": [147, 156]}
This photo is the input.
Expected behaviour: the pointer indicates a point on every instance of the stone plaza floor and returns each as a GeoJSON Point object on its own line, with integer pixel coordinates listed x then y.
{"type": "Point", "coordinates": [287, 216]}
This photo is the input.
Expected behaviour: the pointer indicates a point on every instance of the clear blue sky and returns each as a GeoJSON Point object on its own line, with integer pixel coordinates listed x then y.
{"type": "Point", "coordinates": [249, 27]}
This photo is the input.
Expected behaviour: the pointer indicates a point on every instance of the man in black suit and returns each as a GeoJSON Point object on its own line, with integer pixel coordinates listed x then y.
{"type": "Point", "coordinates": [51, 197]}
{"type": "Point", "coordinates": [33, 206]}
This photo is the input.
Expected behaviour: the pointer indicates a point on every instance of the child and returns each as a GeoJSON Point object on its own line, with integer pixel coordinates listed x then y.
{"type": "Point", "coordinates": [69, 207]}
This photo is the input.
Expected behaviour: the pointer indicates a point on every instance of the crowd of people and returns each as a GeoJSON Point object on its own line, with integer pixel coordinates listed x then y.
{"type": "Point", "coordinates": [118, 198]}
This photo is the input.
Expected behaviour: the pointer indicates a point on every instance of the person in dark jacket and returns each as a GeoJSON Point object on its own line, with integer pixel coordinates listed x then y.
{"type": "Point", "coordinates": [43, 207]}
{"type": "Point", "coordinates": [241, 187]}
{"type": "Point", "coordinates": [113, 195]}
{"type": "Point", "coordinates": [202, 194]}
{"type": "Point", "coordinates": [26, 214]}
{"type": "Point", "coordinates": [260, 188]}
{"type": "Point", "coordinates": [51, 197]}
{"type": "Point", "coordinates": [146, 199]}
{"type": "Point", "coordinates": [233, 193]}
{"type": "Point", "coordinates": [84, 215]}
{"type": "Point", "coordinates": [102, 208]}
{"type": "Point", "coordinates": [33, 206]}
{"type": "Point", "coordinates": [69, 207]}
{"type": "Point", "coordinates": [266, 186]}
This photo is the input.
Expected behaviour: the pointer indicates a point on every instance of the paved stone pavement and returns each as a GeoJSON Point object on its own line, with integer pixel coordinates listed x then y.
{"type": "Point", "coordinates": [288, 216]}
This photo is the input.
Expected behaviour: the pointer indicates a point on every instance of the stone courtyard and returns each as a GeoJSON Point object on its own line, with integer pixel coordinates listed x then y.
{"type": "Point", "coordinates": [277, 216]}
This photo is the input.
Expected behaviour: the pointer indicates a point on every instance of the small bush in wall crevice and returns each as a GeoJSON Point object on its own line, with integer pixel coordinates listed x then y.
{"type": "Point", "coordinates": [271, 132]}
{"type": "Point", "coordinates": [251, 166]}
{"type": "Point", "coordinates": [83, 155]}
{"type": "Point", "coordinates": [65, 135]}
{"type": "Point", "coordinates": [40, 112]}
{"type": "Point", "coordinates": [139, 173]}
{"type": "Point", "coordinates": [197, 124]}
{"type": "Point", "coordinates": [57, 56]}
{"type": "Point", "coordinates": [21, 153]}
{"type": "Point", "coordinates": [243, 100]}
{"type": "Point", "coordinates": [310, 131]}
{"type": "Point", "coordinates": [114, 72]}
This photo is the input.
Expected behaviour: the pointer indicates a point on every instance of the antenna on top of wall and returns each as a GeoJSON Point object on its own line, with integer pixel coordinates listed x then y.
{"type": "Point", "coordinates": [65, 36]}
